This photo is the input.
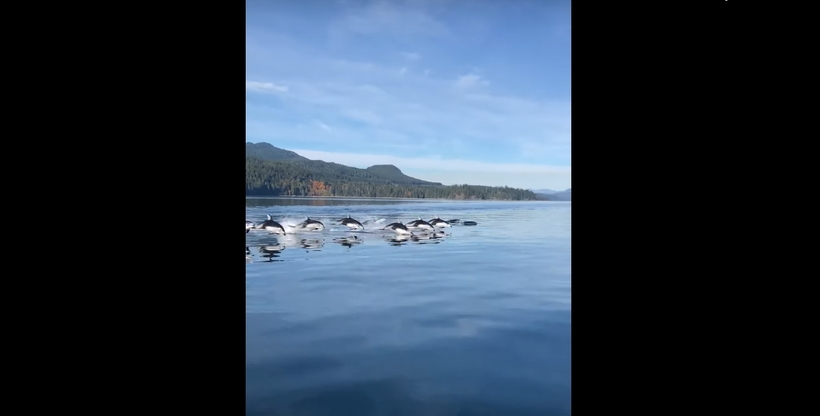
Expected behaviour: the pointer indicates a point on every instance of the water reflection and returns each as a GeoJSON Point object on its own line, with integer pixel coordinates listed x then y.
{"type": "Point", "coordinates": [271, 251]}
{"type": "Point", "coordinates": [330, 333]}
{"type": "Point", "coordinates": [432, 238]}
{"type": "Point", "coordinates": [315, 244]}
{"type": "Point", "coordinates": [418, 238]}
{"type": "Point", "coordinates": [348, 241]}
{"type": "Point", "coordinates": [397, 240]}
{"type": "Point", "coordinates": [271, 246]}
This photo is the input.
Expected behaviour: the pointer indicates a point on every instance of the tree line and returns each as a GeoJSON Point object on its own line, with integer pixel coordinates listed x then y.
{"type": "Point", "coordinates": [318, 178]}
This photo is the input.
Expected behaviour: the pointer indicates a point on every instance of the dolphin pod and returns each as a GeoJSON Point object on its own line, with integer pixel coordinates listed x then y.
{"type": "Point", "coordinates": [417, 231]}
{"type": "Point", "coordinates": [399, 227]}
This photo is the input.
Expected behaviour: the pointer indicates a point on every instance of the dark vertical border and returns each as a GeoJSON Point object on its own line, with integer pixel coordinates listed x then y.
{"type": "Point", "coordinates": [170, 314]}
{"type": "Point", "coordinates": [136, 127]}
{"type": "Point", "coordinates": [648, 84]}
{"type": "Point", "coordinates": [640, 83]}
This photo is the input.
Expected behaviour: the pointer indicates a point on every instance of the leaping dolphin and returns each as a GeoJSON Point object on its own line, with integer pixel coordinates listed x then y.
{"type": "Point", "coordinates": [272, 226]}
{"type": "Point", "coordinates": [398, 228]}
{"type": "Point", "coordinates": [351, 223]}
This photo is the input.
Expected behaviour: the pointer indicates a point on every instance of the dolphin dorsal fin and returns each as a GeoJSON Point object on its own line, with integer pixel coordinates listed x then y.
{"type": "Point", "coordinates": [269, 217]}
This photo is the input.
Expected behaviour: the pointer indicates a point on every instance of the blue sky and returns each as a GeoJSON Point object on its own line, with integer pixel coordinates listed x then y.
{"type": "Point", "coordinates": [452, 91]}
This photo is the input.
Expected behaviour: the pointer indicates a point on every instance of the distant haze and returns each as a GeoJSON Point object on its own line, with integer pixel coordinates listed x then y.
{"type": "Point", "coordinates": [455, 171]}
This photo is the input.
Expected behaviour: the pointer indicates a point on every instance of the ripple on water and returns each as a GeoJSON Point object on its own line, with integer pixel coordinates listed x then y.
{"type": "Point", "coordinates": [476, 324]}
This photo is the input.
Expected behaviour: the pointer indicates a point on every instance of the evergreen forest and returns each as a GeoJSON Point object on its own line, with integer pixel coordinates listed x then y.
{"type": "Point", "coordinates": [270, 171]}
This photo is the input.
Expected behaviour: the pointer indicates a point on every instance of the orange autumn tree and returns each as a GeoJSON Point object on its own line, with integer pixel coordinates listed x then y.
{"type": "Point", "coordinates": [318, 188]}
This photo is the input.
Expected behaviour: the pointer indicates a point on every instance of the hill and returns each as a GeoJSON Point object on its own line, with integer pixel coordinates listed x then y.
{"type": "Point", "coordinates": [295, 175]}
{"type": "Point", "coordinates": [555, 196]}
{"type": "Point", "coordinates": [394, 174]}
{"type": "Point", "coordinates": [543, 191]}
{"type": "Point", "coordinates": [564, 195]}
{"type": "Point", "coordinates": [266, 151]}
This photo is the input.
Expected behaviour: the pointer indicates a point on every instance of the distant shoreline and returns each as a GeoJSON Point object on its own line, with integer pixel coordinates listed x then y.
{"type": "Point", "coordinates": [396, 198]}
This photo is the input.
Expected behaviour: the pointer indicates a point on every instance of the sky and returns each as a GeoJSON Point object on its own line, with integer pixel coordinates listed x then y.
{"type": "Point", "coordinates": [450, 91]}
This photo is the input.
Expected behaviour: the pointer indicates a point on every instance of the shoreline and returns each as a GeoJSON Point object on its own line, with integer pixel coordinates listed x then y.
{"type": "Point", "coordinates": [395, 198]}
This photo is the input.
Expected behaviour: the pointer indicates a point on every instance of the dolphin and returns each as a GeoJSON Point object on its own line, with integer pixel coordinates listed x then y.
{"type": "Point", "coordinates": [272, 226]}
{"type": "Point", "coordinates": [351, 223]}
{"type": "Point", "coordinates": [309, 224]}
{"type": "Point", "coordinates": [398, 228]}
{"type": "Point", "coordinates": [438, 222]}
{"type": "Point", "coordinates": [420, 223]}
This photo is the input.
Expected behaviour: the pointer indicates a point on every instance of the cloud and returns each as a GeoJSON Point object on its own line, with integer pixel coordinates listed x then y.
{"type": "Point", "coordinates": [361, 115]}
{"type": "Point", "coordinates": [470, 80]}
{"type": "Point", "coordinates": [387, 18]}
{"type": "Point", "coordinates": [366, 80]}
{"type": "Point", "coordinates": [324, 126]}
{"type": "Point", "coordinates": [265, 87]}
{"type": "Point", "coordinates": [371, 89]}
{"type": "Point", "coordinates": [414, 115]}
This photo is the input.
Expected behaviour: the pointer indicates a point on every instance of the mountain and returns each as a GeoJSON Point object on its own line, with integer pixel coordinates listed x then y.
{"type": "Point", "coordinates": [273, 171]}
{"type": "Point", "coordinates": [543, 191]}
{"type": "Point", "coordinates": [564, 195]}
{"type": "Point", "coordinates": [554, 195]}
{"type": "Point", "coordinates": [266, 151]}
{"type": "Point", "coordinates": [393, 174]}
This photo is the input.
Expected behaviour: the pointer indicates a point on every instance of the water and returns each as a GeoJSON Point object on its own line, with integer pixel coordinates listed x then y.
{"type": "Point", "coordinates": [476, 322]}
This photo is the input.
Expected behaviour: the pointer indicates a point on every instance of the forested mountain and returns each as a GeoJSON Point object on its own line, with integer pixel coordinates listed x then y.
{"type": "Point", "coordinates": [393, 173]}
{"type": "Point", "coordinates": [266, 151]}
{"type": "Point", "coordinates": [299, 176]}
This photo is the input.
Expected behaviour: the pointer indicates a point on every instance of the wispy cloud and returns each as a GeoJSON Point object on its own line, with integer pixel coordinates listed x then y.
{"type": "Point", "coordinates": [420, 113]}
{"type": "Point", "coordinates": [470, 80]}
{"type": "Point", "coordinates": [387, 18]}
{"type": "Point", "coordinates": [323, 126]}
{"type": "Point", "coordinates": [265, 87]}
{"type": "Point", "coordinates": [404, 79]}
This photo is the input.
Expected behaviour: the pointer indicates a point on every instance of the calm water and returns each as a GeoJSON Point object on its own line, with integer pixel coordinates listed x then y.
{"type": "Point", "coordinates": [474, 323]}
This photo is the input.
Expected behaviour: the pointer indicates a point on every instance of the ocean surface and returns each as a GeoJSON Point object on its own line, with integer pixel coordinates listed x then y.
{"type": "Point", "coordinates": [474, 322]}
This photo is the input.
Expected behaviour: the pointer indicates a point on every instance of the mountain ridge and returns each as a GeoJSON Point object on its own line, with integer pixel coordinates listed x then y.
{"type": "Point", "coordinates": [270, 170]}
{"type": "Point", "coordinates": [267, 151]}
{"type": "Point", "coordinates": [556, 195]}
